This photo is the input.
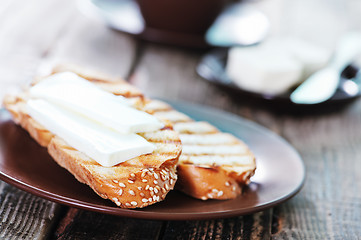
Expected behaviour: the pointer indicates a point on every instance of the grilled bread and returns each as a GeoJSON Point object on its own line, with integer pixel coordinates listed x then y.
{"type": "Point", "coordinates": [213, 164]}
{"type": "Point", "coordinates": [136, 183]}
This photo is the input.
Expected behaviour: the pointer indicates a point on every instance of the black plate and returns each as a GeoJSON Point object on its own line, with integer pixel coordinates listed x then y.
{"type": "Point", "coordinates": [212, 69]}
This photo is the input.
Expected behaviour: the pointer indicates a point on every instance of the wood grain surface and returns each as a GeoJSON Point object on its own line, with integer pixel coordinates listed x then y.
{"type": "Point", "coordinates": [35, 32]}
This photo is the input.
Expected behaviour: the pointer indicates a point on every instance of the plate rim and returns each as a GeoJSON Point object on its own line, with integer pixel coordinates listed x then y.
{"type": "Point", "coordinates": [154, 215]}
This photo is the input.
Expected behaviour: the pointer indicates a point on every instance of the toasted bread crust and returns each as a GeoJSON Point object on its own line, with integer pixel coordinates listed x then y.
{"type": "Point", "coordinates": [136, 183]}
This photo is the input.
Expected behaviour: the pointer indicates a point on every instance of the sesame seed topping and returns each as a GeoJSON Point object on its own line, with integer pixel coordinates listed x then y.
{"type": "Point", "coordinates": [120, 192]}
{"type": "Point", "coordinates": [118, 203]}
{"type": "Point", "coordinates": [155, 190]}
{"type": "Point", "coordinates": [154, 198]}
{"type": "Point", "coordinates": [144, 180]}
{"type": "Point", "coordinates": [215, 190]}
{"type": "Point", "coordinates": [147, 187]}
{"type": "Point", "coordinates": [115, 199]}
{"type": "Point", "coordinates": [234, 188]}
{"type": "Point", "coordinates": [151, 193]}
{"type": "Point", "coordinates": [171, 181]}
{"type": "Point", "coordinates": [150, 199]}
{"type": "Point", "coordinates": [121, 184]}
{"type": "Point", "coordinates": [164, 172]}
{"type": "Point", "coordinates": [163, 177]}
{"type": "Point", "coordinates": [141, 194]}
{"type": "Point", "coordinates": [209, 195]}
{"type": "Point", "coordinates": [166, 187]}
{"type": "Point", "coordinates": [131, 192]}
{"type": "Point", "coordinates": [132, 175]}
{"type": "Point", "coordinates": [227, 183]}
{"type": "Point", "coordinates": [134, 203]}
{"type": "Point", "coordinates": [220, 193]}
{"type": "Point", "coordinates": [163, 190]}
{"type": "Point", "coordinates": [144, 200]}
{"type": "Point", "coordinates": [143, 174]}
{"type": "Point", "coordinates": [155, 182]}
{"type": "Point", "coordinates": [155, 176]}
{"type": "Point", "coordinates": [140, 188]}
{"type": "Point", "coordinates": [115, 181]}
{"type": "Point", "coordinates": [151, 169]}
{"type": "Point", "coordinates": [204, 198]}
{"type": "Point", "coordinates": [151, 188]}
{"type": "Point", "coordinates": [130, 181]}
{"type": "Point", "coordinates": [127, 204]}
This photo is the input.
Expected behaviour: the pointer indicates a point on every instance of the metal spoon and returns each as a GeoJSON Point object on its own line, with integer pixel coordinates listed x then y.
{"type": "Point", "coordinates": [239, 24]}
{"type": "Point", "coordinates": [322, 85]}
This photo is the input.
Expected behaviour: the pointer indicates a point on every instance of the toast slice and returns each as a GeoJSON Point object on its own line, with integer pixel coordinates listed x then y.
{"type": "Point", "coordinates": [213, 164]}
{"type": "Point", "coordinates": [136, 183]}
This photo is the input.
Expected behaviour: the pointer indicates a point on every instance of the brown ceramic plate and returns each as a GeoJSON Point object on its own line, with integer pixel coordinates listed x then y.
{"type": "Point", "coordinates": [279, 176]}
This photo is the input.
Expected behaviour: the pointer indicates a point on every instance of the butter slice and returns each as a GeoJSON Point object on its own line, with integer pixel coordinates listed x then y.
{"type": "Point", "coordinates": [100, 143]}
{"type": "Point", "coordinates": [263, 70]}
{"type": "Point", "coordinates": [276, 65]}
{"type": "Point", "coordinates": [77, 94]}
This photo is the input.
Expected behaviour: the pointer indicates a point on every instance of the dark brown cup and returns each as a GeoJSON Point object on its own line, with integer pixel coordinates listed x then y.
{"type": "Point", "coordinates": [185, 16]}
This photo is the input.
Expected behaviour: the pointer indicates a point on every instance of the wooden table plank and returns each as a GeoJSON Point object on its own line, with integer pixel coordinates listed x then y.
{"type": "Point", "coordinates": [79, 224]}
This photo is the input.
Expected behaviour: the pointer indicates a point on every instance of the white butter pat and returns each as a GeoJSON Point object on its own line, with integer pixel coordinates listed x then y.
{"type": "Point", "coordinates": [100, 143]}
{"type": "Point", "coordinates": [276, 65]}
{"type": "Point", "coordinates": [77, 94]}
{"type": "Point", "coordinates": [265, 71]}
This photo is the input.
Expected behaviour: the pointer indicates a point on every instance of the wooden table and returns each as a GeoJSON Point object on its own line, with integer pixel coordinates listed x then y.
{"type": "Point", "coordinates": [329, 205]}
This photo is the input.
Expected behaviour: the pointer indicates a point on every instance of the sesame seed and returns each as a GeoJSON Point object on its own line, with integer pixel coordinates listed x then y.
{"type": "Point", "coordinates": [134, 203]}
{"type": "Point", "coordinates": [147, 187]}
{"type": "Point", "coordinates": [118, 203]}
{"type": "Point", "coordinates": [121, 184]}
{"type": "Point", "coordinates": [115, 181]}
{"type": "Point", "coordinates": [151, 169]}
{"type": "Point", "coordinates": [115, 199]}
{"type": "Point", "coordinates": [140, 188]}
{"type": "Point", "coordinates": [227, 184]}
{"type": "Point", "coordinates": [144, 200]}
{"type": "Point", "coordinates": [151, 193]}
{"type": "Point", "coordinates": [215, 190]}
{"type": "Point", "coordinates": [151, 188]}
{"type": "Point", "coordinates": [127, 204]}
{"type": "Point", "coordinates": [204, 198]}
{"type": "Point", "coordinates": [164, 172]}
{"type": "Point", "coordinates": [163, 177]}
{"type": "Point", "coordinates": [155, 176]}
{"type": "Point", "coordinates": [144, 180]}
{"type": "Point", "coordinates": [130, 181]}
{"type": "Point", "coordinates": [155, 182]}
{"type": "Point", "coordinates": [132, 175]}
{"type": "Point", "coordinates": [171, 181]}
{"type": "Point", "coordinates": [163, 190]}
{"type": "Point", "coordinates": [155, 190]}
{"type": "Point", "coordinates": [209, 195]}
{"type": "Point", "coordinates": [220, 193]}
{"type": "Point", "coordinates": [143, 174]}
{"type": "Point", "coordinates": [120, 192]}
{"type": "Point", "coordinates": [234, 188]}
{"type": "Point", "coordinates": [157, 187]}
{"type": "Point", "coordinates": [150, 199]}
{"type": "Point", "coordinates": [154, 198]}
{"type": "Point", "coordinates": [166, 186]}
{"type": "Point", "coordinates": [131, 192]}
{"type": "Point", "coordinates": [141, 194]}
